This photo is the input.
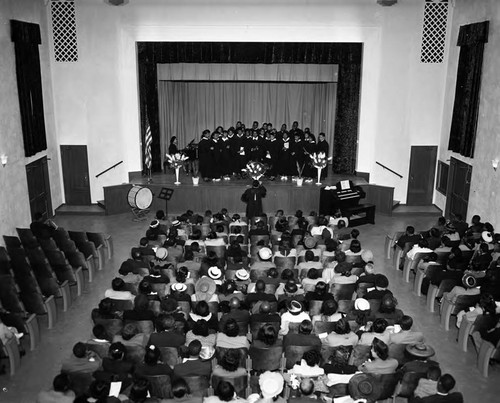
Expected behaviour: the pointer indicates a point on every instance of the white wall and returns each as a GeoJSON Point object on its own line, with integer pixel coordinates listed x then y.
{"type": "Point", "coordinates": [484, 196]}
{"type": "Point", "coordinates": [14, 202]}
{"type": "Point", "coordinates": [97, 102]}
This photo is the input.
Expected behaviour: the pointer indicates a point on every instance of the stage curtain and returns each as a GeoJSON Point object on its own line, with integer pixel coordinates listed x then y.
{"type": "Point", "coordinates": [26, 38]}
{"type": "Point", "coordinates": [248, 72]}
{"type": "Point", "coordinates": [471, 40]}
{"type": "Point", "coordinates": [187, 108]}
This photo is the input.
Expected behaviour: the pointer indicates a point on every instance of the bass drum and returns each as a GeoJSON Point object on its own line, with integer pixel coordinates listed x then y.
{"type": "Point", "coordinates": [140, 198]}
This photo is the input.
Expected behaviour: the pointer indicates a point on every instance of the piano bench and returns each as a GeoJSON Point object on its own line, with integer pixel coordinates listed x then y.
{"type": "Point", "coordinates": [366, 213]}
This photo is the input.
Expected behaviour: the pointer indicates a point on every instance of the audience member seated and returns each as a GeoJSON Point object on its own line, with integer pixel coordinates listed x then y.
{"type": "Point", "coordinates": [260, 229]}
{"type": "Point", "coordinates": [236, 312]}
{"type": "Point", "coordinates": [303, 337]}
{"type": "Point", "coordinates": [105, 310]}
{"type": "Point", "coordinates": [228, 366]}
{"type": "Point", "coordinates": [42, 228]}
{"type": "Point", "coordinates": [264, 263]}
{"type": "Point", "coordinates": [388, 309]}
{"type": "Point", "coordinates": [421, 247]}
{"type": "Point", "coordinates": [329, 270]}
{"type": "Point", "coordinates": [290, 292]}
{"type": "Point", "coordinates": [228, 291]}
{"type": "Point", "coordinates": [100, 337]}
{"type": "Point", "coordinates": [117, 291]}
{"type": "Point", "coordinates": [201, 332]}
{"type": "Point", "coordinates": [230, 338]}
{"type": "Point", "coordinates": [242, 280]}
{"type": "Point", "coordinates": [294, 314]}
{"type": "Point", "coordinates": [470, 287]}
{"type": "Point", "coordinates": [144, 248]}
{"type": "Point", "coordinates": [213, 240]}
{"type": "Point", "coordinates": [130, 336]}
{"type": "Point", "coordinates": [309, 283]}
{"type": "Point", "coordinates": [444, 386]}
{"type": "Point", "coordinates": [427, 386]}
{"type": "Point", "coordinates": [145, 288]}
{"type": "Point", "coordinates": [224, 393]}
{"type": "Point", "coordinates": [380, 363]}
{"type": "Point", "coordinates": [263, 314]}
{"type": "Point", "coordinates": [178, 291]}
{"type": "Point", "coordinates": [193, 365]}
{"type": "Point", "coordinates": [154, 230]}
{"type": "Point", "coordinates": [271, 386]}
{"type": "Point", "coordinates": [181, 393]}
{"type": "Point", "coordinates": [408, 237]}
{"type": "Point", "coordinates": [152, 364]}
{"type": "Point", "coordinates": [355, 248]}
{"type": "Point", "coordinates": [156, 277]}
{"type": "Point", "coordinates": [309, 262]}
{"type": "Point", "coordinates": [134, 268]}
{"type": "Point", "coordinates": [259, 294]}
{"type": "Point", "coordinates": [328, 312]}
{"type": "Point", "coordinates": [320, 293]}
{"type": "Point", "coordinates": [377, 330]}
{"type": "Point", "coordinates": [166, 334]}
{"type": "Point", "coordinates": [343, 274]}
{"type": "Point", "coordinates": [342, 335]}
{"type": "Point", "coordinates": [60, 393]}
{"type": "Point", "coordinates": [482, 259]}
{"type": "Point", "coordinates": [406, 335]}
{"type": "Point", "coordinates": [205, 289]}
{"type": "Point", "coordinates": [267, 336]}
{"type": "Point", "coordinates": [81, 360]}
{"type": "Point", "coordinates": [309, 365]}
{"type": "Point", "coordinates": [381, 284]}
{"type": "Point", "coordinates": [115, 367]}
{"type": "Point", "coordinates": [361, 314]}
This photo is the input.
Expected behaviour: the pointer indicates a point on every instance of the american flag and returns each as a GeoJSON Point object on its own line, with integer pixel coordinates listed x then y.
{"type": "Point", "coordinates": [149, 140]}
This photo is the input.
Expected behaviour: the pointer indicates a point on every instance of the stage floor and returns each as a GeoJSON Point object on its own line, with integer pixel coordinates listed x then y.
{"type": "Point", "coordinates": [285, 195]}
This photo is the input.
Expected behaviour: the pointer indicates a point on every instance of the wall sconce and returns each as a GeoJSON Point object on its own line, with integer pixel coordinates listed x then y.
{"type": "Point", "coordinates": [494, 163]}
{"type": "Point", "coordinates": [3, 159]}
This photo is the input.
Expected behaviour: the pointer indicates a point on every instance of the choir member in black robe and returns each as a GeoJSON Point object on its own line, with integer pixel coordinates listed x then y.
{"type": "Point", "coordinates": [272, 152]}
{"type": "Point", "coordinates": [323, 147]}
{"type": "Point", "coordinates": [298, 154]}
{"type": "Point", "coordinates": [255, 147]}
{"type": "Point", "coordinates": [253, 198]}
{"type": "Point", "coordinates": [204, 154]}
{"type": "Point", "coordinates": [285, 157]}
{"type": "Point", "coordinates": [238, 152]}
{"type": "Point", "coordinates": [214, 171]}
{"type": "Point", "coordinates": [310, 148]}
{"type": "Point", "coordinates": [296, 130]}
{"type": "Point", "coordinates": [225, 147]}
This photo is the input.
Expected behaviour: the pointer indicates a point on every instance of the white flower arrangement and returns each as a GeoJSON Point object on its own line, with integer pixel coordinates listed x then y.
{"type": "Point", "coordinates": [255, 169]}
{"type": "Point", "coordinates": [176, 160]}
{"type": "Point", "coordinates": [319, 160]}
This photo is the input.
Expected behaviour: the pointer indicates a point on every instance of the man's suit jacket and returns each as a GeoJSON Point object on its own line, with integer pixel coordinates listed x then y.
{"type": "Point", "coordinates": [455, 397]}
{"type": "Point", "coordinates": [167, 339]}
{"type": "Point", "coordinates": [193, 368]}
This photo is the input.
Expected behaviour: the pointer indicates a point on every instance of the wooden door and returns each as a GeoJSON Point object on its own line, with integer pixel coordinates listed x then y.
{"type": "Point", "coordinates": [75, 170]}
{"type": "Point", "coordinates": [457, 194]}
{"type": "Point", "coordinates": [421, 175]}
{"type": "Point", "coordinates": [37, 175]}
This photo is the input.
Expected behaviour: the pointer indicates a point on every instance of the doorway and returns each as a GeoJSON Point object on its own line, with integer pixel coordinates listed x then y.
{"type": "Point", "coordinates": [457, 193]}
{"type": "Point", "coordinates": [37, 175]}
{"type": "Point", "coordinates": [75, 169]}
{"type": "Point", "coordinates": [421, 175]}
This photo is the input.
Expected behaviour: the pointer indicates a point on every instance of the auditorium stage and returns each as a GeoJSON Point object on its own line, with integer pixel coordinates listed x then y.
{"type": "Point", "coordinates": [285, 195]}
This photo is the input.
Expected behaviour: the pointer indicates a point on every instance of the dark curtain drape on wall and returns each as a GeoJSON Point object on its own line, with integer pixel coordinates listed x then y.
{"type": "Point", "coordinates": [26, 38]}
{"type": "Point", "coordinates": [471, 40]}
{"type": "Point", "coordinates": [347, 55]}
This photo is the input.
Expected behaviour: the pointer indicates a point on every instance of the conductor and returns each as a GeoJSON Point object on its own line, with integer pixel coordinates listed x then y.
{"type": "Point", "coordinates": [253, 198]}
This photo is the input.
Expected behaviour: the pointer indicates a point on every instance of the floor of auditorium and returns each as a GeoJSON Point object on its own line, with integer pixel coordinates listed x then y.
{"type": "Point", "coordinates": [40, 366]}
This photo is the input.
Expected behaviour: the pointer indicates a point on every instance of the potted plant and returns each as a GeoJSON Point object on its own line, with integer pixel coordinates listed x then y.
{"type": "Point", "coordinates": [255, 169]}
{"type": "Point", "coordinates": [176, 161]}
{"type": "Point", "coordinates": [300, 179]}
{"type": "Point", "coordinates": [319, 161]}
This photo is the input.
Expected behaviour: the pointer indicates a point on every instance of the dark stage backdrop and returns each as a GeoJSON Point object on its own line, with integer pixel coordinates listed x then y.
{"type": "Point", "coordinates": [348, 56]}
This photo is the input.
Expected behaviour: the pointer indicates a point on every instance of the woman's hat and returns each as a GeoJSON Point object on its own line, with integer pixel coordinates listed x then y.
{"type": "Point", "coordinates": [205, 287]}
{"type": "Point", "coordinates": [469, 281]}
{"type": "Point", "coordinates": [265, 253]}
{"type": "Point", "coordinates": [361, 304]}
{"type": "Point", "coordinates": [161, 253]}
{"type": "Point", "coordinates": [364, 386]}
{"type": "Point", "coordinates": [179, 287]}
{"type": "Point", "coordinates": [207, 352]}
{"type": "Point", "coordinates": [487, 236]}
{"type": "Point", "coordinates": [294, 307]}
{"type": "Point", "coordinates": [310, 242]}
{"type": "Point", "coordinates": [271, 384]}
{"type": "Point", "coordinates": [154, 224]}
{"type": "Point", "coordinates": [176, 223]}
{"type": "Point", "coordinates": [420, 350]}
{"type": "Point", "coordinates": [214, 273]}
{"type": "Point", "coordinates": [242, 274]}
{"type": "Point", "coordinates": [367, 256]}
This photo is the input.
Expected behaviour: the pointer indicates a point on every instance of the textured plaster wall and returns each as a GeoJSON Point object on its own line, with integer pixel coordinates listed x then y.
{"type": "Point", "coordinates": [14, 203]}
{"type": "Point", "coordinates": [484, 196]}
{"type": "Point", "coordinates": [96, 98]}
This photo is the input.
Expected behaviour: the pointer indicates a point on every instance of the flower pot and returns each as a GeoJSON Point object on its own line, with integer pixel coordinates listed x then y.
{"type": "Point", "coordinates": [196, 180]}
{"type": "Point", "coordinates": [319, 176]}
{"type": "Point", "coordinates": [300, 181]}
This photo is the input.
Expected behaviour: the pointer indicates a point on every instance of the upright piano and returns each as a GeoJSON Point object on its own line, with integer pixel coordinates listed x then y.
{"type": "Point", "coordinates": [344, 194]}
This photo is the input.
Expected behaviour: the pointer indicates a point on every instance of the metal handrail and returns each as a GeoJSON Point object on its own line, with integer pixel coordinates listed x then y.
{"type": "Point", "coordinates": [389, 169]}
{"type": "Point", "coordinates": [110, 168]}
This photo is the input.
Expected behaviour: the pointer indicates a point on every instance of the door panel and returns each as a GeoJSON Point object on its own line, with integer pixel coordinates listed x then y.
{"type": "Point", "coordinates": [421, 175]}
{"type": "Point", "coordinates": [75, 170]}
{"type": "Point", "coordinates": [457, 194]}
{"type": "Point", "coordinates": [37, 175]}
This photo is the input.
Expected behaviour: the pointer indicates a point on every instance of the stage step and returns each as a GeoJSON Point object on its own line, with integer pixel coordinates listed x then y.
{"type": "Point", "coordinates": [102, 204]}
{"type": "Point", "coordinates": [395, 203]}
{"type": "Point", "coordinates": [403, 209]}
{"type": "Point", "coordinates": [93, 209]}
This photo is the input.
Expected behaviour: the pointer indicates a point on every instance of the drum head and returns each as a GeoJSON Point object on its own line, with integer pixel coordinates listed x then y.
{"type": "Point", "coordinates": [139, 197]}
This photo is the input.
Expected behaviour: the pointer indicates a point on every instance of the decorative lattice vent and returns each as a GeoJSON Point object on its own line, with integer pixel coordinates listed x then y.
{"type": "Point", "coordinates": [64, 30]}
{"type": "Point", "coordinates": [434, 32]}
